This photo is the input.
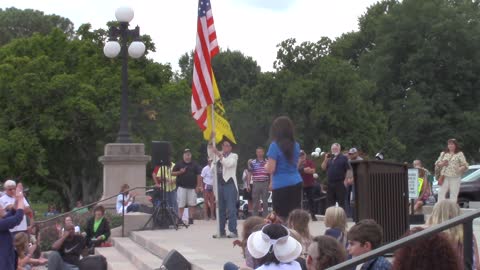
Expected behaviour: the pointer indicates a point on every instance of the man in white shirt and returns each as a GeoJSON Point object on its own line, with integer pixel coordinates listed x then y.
{"type": "Point", "coordinates": [7, 201]}
{"type": "Point", "coordinates": [226, 166]}
{"type": "Point", "coordinates": [208, 196]}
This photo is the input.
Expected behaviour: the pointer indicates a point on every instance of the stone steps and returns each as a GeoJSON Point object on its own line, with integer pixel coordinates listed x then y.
{"type": "Point", "coordinates": [156, 245]}
{"type": "Point", "coordinates": [115, 260]}
{"type": "Point", "coordinates": [137, 254]}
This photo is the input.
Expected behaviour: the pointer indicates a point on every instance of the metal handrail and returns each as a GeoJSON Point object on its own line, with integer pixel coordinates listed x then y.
{"type": "Point", "coordinates": [466, 220]}
{"type": "Point", "coordinates": [95, 203]}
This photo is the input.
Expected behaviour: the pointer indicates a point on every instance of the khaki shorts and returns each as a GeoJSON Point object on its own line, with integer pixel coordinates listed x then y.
{"type": "Point", "coordinates": [186, 197]}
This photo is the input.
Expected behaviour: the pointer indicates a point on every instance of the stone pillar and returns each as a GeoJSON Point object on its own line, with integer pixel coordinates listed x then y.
{"type": "Point", "coordinates": [123, 163]}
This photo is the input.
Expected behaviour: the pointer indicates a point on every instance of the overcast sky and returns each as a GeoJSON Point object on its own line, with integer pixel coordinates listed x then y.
{"type": "Point", "coordinates": [254, 27]}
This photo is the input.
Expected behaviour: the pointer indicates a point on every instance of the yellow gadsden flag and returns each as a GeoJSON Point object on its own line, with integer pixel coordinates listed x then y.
{"type": "Point", "coordinates": [222, 127]}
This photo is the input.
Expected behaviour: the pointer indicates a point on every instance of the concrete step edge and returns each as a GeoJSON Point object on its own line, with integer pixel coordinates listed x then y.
{"type": "Point", "coordinates": [137, 254]}
{"type": "Point", "coordinates": [158, 250]}
{"type": "Point", "coordinates": [151, 246]}
{"type": "Point", "coordinates": [115, 260]}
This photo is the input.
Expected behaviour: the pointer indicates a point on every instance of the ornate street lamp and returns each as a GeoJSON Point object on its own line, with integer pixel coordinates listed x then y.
{"type": "Point", "coordinates": [136, 49]}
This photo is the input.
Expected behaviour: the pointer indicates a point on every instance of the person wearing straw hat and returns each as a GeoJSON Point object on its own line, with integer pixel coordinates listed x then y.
{"type": "Point", "coordinates": [274, 248]}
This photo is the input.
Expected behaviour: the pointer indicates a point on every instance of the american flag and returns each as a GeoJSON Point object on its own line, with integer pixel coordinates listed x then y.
{"type": "Point", "coordinates": [205, 49]}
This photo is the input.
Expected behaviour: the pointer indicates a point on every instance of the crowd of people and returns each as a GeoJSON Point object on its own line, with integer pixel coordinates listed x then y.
{"type": "Point", "coordinates": [20, 237]}
{"type": "Point", "coordinates": [285, 171]}
{"type": "Point", "coordinates": [276, 239]}
{"type": "Point", "coordinates": [270, 243]}
{"type": "Point", "coordinates": [285, 243]}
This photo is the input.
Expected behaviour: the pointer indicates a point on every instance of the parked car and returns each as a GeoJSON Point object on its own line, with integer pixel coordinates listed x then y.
{"type": "Point", "coordinates": [469, 187]}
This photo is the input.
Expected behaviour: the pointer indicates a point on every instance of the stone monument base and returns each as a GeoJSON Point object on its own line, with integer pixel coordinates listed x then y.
{"type": "Point", "coordinates": [123, 163]}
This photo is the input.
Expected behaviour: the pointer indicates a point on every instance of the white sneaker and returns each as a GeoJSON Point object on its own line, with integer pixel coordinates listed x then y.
{"type": "Point", "coordinates": [232, 235]}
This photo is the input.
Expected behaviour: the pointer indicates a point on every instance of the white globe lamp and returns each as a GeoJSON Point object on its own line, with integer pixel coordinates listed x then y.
{"type": "Point", "coordinates": [124, 14]}
{"type": "Point", "coordinates": [111, 49]}
{"type": "Point", "coordinates": [136, 49]}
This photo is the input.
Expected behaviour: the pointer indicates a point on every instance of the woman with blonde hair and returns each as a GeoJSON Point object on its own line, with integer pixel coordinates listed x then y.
{"type": "Point", "coordinates": [298, 220]}
{"type": "Point", "coordinates": [21, 246]}
{"type": "Point", "coordinates": [25, 260]}
{"type": "Point", "coordinates": [336, 223]}
{"type": "Point", "coordinates": [446, 210]}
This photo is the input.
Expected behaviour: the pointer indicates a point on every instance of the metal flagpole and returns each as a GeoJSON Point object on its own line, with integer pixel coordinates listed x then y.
{"type": "Point", "coordinates": [215, 178]}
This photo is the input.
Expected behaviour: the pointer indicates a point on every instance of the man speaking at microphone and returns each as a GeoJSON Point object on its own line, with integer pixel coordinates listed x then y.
{"type": "Point", "coordinates": [336, 164]}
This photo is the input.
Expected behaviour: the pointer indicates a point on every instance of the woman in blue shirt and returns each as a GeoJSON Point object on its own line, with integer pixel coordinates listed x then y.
{"type": "Point", "coordinates": [283, 155]}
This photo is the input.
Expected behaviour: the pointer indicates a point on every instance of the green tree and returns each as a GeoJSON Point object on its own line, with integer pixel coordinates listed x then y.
{"type": "Point", "coordinates": [351, 46]}
{"type": "Point", "coordinates": [424, 64]}
{"type": "Point", "coordinates": [17, 23]}
{"type": "Point", "coordinates": [329, 103]}
{"type": "Point", "coordinates": [60, 100]}
{"type": "Point", "coordinates": [300, 58]}
{"type": "Point", "coordinates": [234, 71]}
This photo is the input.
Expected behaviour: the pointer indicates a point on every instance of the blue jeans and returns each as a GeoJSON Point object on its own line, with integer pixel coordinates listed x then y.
{"type": "Point", "coordinates": [172, 200]}
{"type": "Point", "coordinates": [55, 262]}
{"type": "Point", "coordinates": [227, 204]}
{"type": "Point", "coordinates": [348, 197]}
{"type": "Point", "coordinates": [132, 208]}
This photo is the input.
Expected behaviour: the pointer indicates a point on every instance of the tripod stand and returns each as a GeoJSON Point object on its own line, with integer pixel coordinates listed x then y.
{"type": "Point", "coordinates": [163, 215]}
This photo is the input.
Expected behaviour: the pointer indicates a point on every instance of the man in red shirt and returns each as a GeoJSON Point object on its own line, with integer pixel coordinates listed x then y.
{"type": "Point", "coordinates": [306, 168]}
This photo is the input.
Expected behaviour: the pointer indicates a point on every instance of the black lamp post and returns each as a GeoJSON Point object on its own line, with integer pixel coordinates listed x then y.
{"type": "Point", "coordinates": [136, 49]}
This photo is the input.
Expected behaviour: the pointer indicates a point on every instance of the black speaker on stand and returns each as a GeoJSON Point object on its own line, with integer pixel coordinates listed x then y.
{"type": "Point", "coordinates": [161, 153]}
{"type": "Point", "coordinates": [163, 216]}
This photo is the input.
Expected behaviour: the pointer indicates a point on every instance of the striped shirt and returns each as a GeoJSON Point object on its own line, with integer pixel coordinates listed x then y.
{"type": "Point", "coordinates": [259, 173]}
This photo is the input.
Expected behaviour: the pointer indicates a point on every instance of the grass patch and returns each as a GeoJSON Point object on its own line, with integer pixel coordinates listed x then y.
{"type": "Point", "coordinates": [39, 209]}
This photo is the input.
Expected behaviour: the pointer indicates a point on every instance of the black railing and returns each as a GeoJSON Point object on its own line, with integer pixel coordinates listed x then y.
{"type": "Point", "coordinates": [95, 203]}
{"type": "Point", "coordinates": [466, 220]}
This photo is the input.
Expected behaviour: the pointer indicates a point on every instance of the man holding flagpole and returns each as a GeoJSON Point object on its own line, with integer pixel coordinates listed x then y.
{"type": "Point", "coordinates": [209, 113]}
{"type": "Point", "coordinates": [227, 188]}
